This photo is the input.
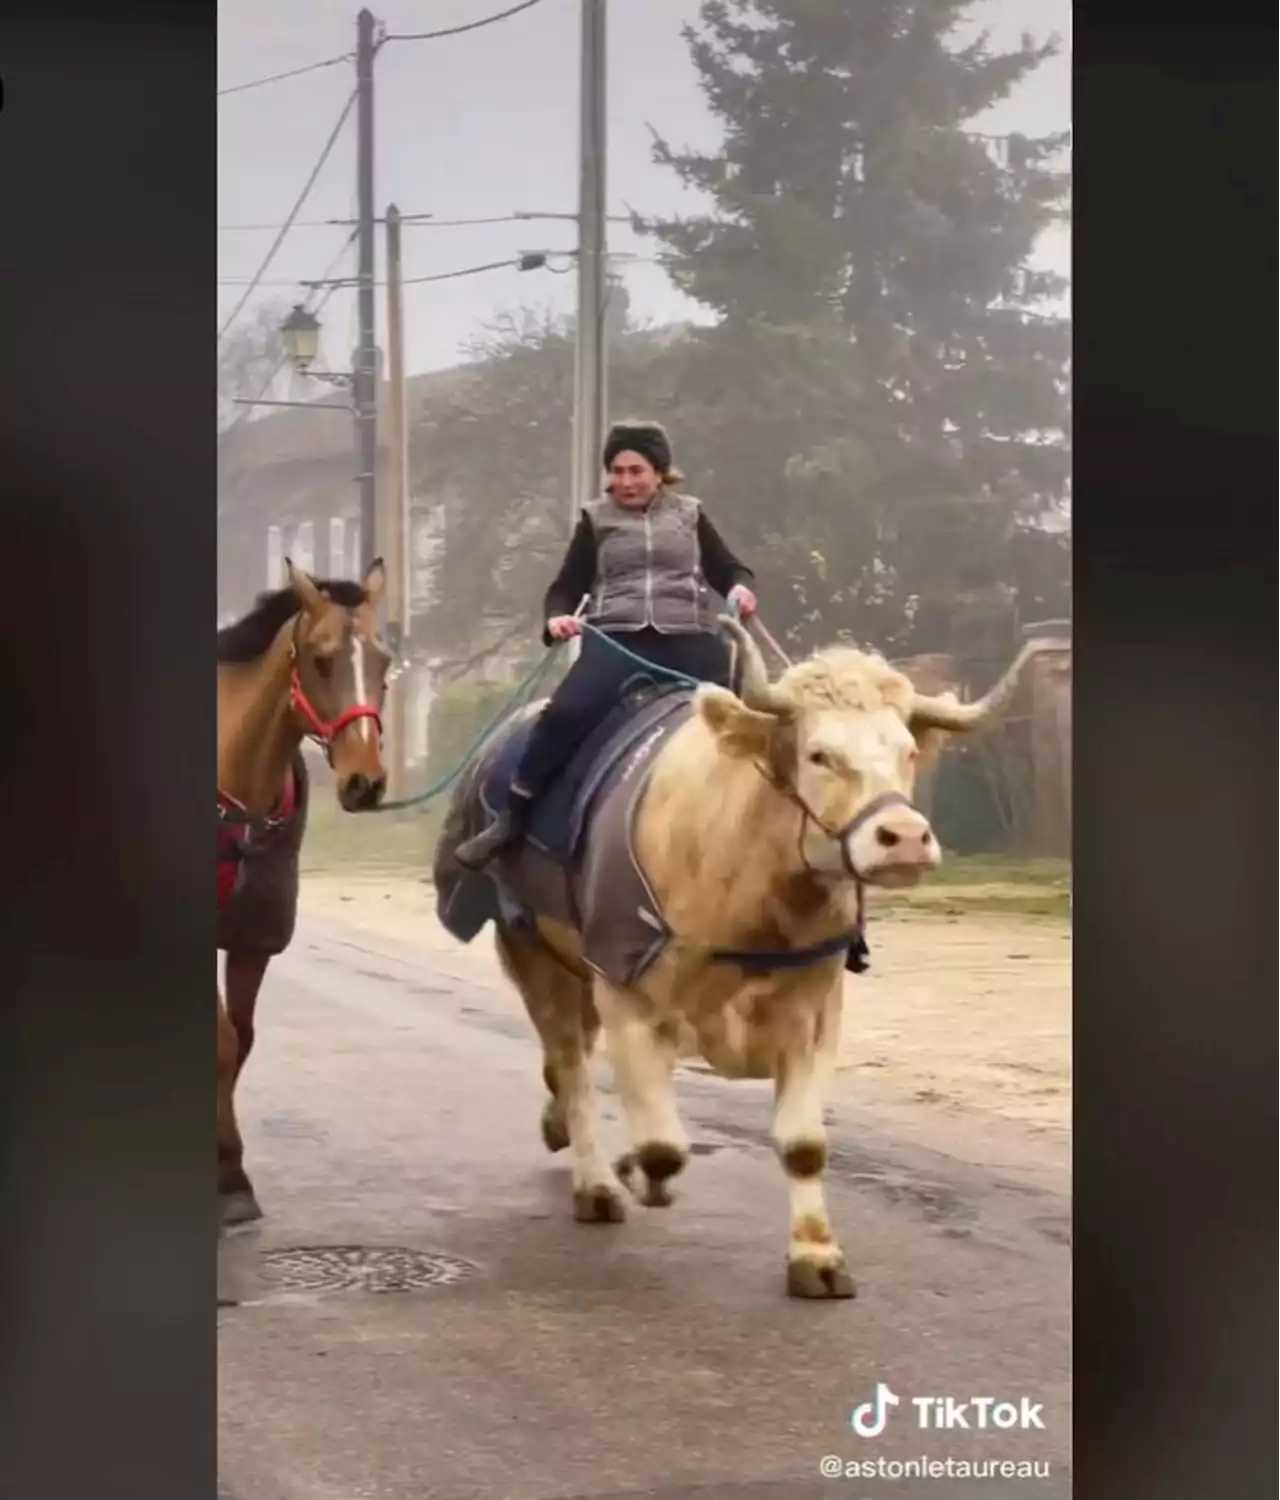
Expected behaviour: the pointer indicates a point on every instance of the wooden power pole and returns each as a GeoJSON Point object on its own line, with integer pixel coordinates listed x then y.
{"type": "Point", "coordinates": [365, 365]}
{"type": "Point", "coordinates": [394, 523]}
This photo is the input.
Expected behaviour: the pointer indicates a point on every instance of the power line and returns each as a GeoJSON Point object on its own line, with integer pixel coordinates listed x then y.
{"type": "Point", "coordinates": [298, 224]}
{"type": "Point", "coordinates": [408, 221]}
{"type": "Point", "coordinates": [247, 411]}
{"type": "Point", "coordinates": [347, 282]}
{"type": "Point", "coordinates": [429, 36]}
{"type": "Point", "coordinates": [346, 57]}
{"type": "Point", "coordinates": [493, 265]}
{"type": "Point", "coordinates": [288, 223]}
{"type": "Point", "coordinates": [257, 83]}
{"type": "Point", "coordinates": [425, 221]}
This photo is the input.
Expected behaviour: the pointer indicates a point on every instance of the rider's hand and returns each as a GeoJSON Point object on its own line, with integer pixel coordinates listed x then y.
{"type": "Point", "coordinates": [561, 627]}
{"type": "Point", "coordinates": [745, 600]}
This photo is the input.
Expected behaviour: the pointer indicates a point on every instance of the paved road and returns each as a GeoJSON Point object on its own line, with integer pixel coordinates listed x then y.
{"type": "Point", "coordinates": [392, 1106]}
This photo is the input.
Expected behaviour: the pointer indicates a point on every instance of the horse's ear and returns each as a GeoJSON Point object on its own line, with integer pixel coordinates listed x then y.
{"type": "Point", "coordinates": [304, 586]}
{"type": "Point", "coordinates": [374, 581]}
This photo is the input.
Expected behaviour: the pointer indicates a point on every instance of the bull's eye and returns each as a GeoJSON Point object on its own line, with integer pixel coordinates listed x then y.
{"type": "Point", "coordinates": [819, 758]}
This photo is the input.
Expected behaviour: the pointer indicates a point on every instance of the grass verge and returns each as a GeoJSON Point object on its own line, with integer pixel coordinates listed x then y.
{"type": "Point", "coordinates": [404, 843]}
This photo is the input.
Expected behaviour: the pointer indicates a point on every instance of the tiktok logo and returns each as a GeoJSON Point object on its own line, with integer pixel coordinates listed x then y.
{"type": "Point", "coordinates": [870, 1419]}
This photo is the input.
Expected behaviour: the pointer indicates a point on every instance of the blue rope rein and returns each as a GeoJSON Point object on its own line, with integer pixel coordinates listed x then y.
{"type": "Point", "coordinates": [650, 668]}
{"type": "Point", "coordinates": [520, 695]}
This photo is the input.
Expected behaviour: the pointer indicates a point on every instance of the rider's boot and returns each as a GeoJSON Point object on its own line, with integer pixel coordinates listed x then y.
{"type": "Point", "coordinates": [475, 853]}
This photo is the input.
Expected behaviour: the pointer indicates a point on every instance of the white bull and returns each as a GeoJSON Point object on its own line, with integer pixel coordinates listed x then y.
{"type": "Point", "coordinates": [763, 817]}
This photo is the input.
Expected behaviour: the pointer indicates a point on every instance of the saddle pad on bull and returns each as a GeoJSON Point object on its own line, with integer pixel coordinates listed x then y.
{"type": "Point", "coordinates": [559, 815]}
{"type": "Point", "coordinates": [620, 919]}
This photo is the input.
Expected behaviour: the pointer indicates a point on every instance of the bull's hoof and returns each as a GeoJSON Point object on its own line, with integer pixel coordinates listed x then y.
{"type": "Point", "coordinates": [240, 1207]}
{"type": "Point", "coordinates": [598, 1205]}
{"type": "Point", "coordinates": [652, 1192]}
{"type": "Point", "coordinates": [809, 1279]}
{"type": "Point", "coordinates": [659, 1160]}
{"type": "Point", "coordinates": [555, 1133]}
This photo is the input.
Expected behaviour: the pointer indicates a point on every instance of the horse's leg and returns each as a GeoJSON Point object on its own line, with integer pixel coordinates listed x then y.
{"type": "Point", "coordinates": [236, 1202]}
{"type": "Point", "coordinates": [243, 979]}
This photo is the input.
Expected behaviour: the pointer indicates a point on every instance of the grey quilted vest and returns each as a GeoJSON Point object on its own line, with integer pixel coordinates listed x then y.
{"type": "Point", "coordinates": [649, 567]}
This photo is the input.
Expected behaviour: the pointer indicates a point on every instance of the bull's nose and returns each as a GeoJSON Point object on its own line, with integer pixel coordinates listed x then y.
{"type": "Point", "coordinates": [907, 837]}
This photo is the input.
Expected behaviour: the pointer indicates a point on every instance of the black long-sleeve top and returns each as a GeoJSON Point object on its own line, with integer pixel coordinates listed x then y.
{"type": "Point", "coordinates": [577, 575]}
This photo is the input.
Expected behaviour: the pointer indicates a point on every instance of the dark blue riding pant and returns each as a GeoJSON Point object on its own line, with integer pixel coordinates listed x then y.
{"type": "Point", "coordinates": [593, 686]}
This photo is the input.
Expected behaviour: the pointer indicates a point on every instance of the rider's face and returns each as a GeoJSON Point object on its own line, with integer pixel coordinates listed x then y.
{"type": "Point", "coordinates": [632, 479]}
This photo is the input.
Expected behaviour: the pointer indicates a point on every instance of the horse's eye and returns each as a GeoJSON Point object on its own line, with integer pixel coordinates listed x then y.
{"type": "Point", "coordinates": [324, 667]}
{"type": "Point", "coordinates": [819, 758]}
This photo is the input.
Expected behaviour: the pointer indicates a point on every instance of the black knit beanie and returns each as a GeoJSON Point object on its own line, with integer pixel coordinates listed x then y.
{"type": "Point", "coordinates": [649, 439]}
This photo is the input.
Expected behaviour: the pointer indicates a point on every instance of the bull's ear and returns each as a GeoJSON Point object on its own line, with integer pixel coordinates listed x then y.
{"type": "Point", "coordinates": [741, 731]}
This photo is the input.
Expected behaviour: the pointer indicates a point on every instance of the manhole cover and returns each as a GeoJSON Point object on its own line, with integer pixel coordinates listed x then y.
{"type": "Point", "coordinates": [341, 1268]}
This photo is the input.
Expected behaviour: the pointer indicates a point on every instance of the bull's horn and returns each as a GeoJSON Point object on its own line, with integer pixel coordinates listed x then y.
{"type": "Point", "coordinates": [947, 712]}
{"type": "Point", "coordinates": [756, 690]}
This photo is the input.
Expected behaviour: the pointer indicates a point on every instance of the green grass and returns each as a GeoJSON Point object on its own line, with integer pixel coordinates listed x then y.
{"type": "Point", "coordinates": [383, 842]}
{"type": "Point", "coordinates": [404, 843]}
{"type": "Point", "coordinates": [1003, 869]}
{"type": "Point", "coordinates": [996, 883]}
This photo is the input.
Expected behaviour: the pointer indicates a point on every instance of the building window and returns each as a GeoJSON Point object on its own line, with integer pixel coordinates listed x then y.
{"type": "Point", "coordinates": [353, 568]}
{"type": "Point", "coordinates": [275, 559]}
{"type": "Point", "coordinates": [338, 548]}
{"type": "Point", "coordinates": [304, 551]}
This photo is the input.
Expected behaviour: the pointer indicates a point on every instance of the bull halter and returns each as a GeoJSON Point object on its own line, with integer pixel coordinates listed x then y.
{"type": "Point", "coordinates": [840, 836]}
{"type": "Point", "coordinates": [854, 941]}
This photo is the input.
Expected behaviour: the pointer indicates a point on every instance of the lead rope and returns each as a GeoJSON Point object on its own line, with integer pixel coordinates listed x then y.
{"type": "Point", "coordinates": [524, 690]}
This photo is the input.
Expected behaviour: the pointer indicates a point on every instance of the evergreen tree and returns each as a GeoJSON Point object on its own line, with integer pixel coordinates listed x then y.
{"type": "Point", "coordinates": [884, 399]}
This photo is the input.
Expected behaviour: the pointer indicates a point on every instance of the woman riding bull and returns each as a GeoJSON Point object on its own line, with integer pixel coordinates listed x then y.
{"type": "Point", "coordinates": [643, 556]}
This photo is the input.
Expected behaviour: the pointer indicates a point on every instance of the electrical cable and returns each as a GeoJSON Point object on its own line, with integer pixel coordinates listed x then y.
{"type": "Point", "coordinates": [288, 223]}
{"type": "Point", "coordinates": [247, 411]}
{"type": "Point", "coordinates": [493, 265]}
{"type": "Point", "coordinates": [257, 83]}
{"type": "Point", "coordinates": [429, 36]}
{"type": "Point", "coordinates": [347, 282]}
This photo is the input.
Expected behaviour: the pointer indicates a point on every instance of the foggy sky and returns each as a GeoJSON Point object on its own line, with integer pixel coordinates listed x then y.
{"type": "Point", "coordinates": [486, 124]}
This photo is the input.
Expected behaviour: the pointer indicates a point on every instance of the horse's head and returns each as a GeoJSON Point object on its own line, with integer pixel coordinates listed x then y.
{"type": "Point", "coordinates": [339, 683]}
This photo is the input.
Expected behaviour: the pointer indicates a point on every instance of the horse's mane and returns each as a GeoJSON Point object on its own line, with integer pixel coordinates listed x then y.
{"type": "Point", "coordinates": [249, 639]}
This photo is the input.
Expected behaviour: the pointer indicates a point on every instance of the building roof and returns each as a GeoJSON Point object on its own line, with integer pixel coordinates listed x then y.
{"type": "Point", "coordinates": [300, 436]}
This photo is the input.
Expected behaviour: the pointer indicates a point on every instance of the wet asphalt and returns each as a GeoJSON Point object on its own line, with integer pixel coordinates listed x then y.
{"type": "Point", "coordinates": [418, 1317]}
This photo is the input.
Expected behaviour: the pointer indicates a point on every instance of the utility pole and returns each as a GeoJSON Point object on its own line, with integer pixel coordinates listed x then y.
{"type": "Point", "coordinates": [395, 530]}
{"type": "Point", "coordinates": [365, 365]}
{"type": "Point", "coordinates": [590, 373]}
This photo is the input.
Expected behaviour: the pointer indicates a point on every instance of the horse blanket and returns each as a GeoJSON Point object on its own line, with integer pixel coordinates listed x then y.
{"type": "Point", "coordinates": [258, 876]}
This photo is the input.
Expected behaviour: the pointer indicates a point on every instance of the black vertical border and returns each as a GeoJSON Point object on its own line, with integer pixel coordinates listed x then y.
{"type": "Point", "coordinates": [1175, 804]}
{"type": "Point", "coordinates": [107, 275]}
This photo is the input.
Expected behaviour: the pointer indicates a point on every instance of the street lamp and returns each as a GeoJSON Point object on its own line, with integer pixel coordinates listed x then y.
{"type": "Point", "coordinates": [300, 334]}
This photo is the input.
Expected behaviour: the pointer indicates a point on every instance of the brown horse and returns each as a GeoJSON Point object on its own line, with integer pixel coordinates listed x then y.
{"type": "Point", "coordinates": [305, 663]}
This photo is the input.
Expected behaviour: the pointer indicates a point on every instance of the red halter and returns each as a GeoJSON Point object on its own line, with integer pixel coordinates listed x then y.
{"type": "Point", "coordinates": [325, 732]}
